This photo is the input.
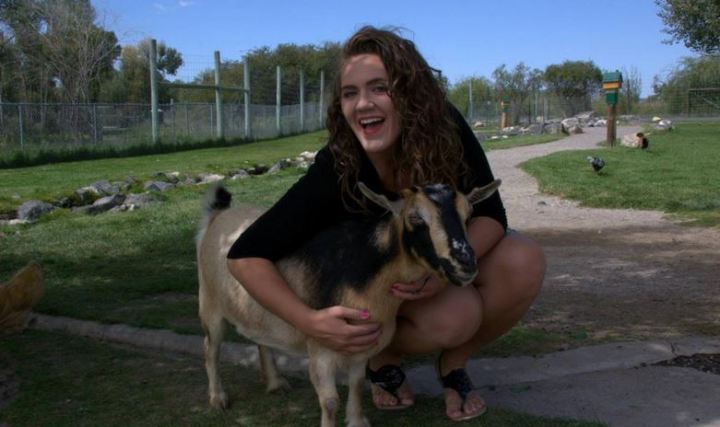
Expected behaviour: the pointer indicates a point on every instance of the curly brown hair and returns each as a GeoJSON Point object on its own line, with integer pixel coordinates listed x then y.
{"type": "Point", "coordinates": [429, 149]}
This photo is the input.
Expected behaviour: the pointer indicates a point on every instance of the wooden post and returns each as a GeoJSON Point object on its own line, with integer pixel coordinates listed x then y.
{"type": "Point", "coordinates": [218, 99]}
{"type": "Point", "coordinates": [154, 113]}
{"type": "Point", "coordinates": [278, 99]}
{"type": "Point", "coordinates": [611, 128]}
{"type": "Point", "coordinates": [246, 86]}
{"type": "Point", "coordinates": [302, 101]}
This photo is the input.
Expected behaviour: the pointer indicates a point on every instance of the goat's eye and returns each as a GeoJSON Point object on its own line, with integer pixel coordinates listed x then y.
{"type": "Point", "coordinates": [416, 219]}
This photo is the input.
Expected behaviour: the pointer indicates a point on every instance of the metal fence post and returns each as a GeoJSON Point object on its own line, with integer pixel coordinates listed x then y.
{"type": "Point", "coordinates": [322, 97]}
{"type": "Point", "coordinates": [278, 99]}
{"type": "Point", "coordinates": [470, 101]}
{"type": "Point", "coordinates": [211, 120]}
{"type": "Point", "coordinates": [95, 124]}
{"type": "Point", "coordinates": [302, 101]}
{"type": "Point", "coordinates": [218, 98]}
{"type": "Point", "coordinates": [154, 114]}
{"type": "Point", "coordinates": [246, 86]}
{"type": "Point", "coordinates": [20, 120]}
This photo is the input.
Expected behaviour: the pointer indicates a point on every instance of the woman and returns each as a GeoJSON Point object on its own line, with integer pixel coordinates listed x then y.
{"type": "Point", "coordinates": [392, 127]}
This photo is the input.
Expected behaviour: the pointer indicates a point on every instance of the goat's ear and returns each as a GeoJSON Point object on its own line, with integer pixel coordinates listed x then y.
{"type": "Point", "coordinates": [379, 199]}
{"type": "Point", "coordinates": [478, 194]}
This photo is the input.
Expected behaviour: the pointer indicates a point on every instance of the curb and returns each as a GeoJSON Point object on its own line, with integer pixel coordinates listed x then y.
{"type": "Point", "coordinates": [161, 339]}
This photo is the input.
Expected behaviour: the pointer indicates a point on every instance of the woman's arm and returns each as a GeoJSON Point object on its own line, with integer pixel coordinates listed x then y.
{"type": "Point", "coordinates": [329, 326]}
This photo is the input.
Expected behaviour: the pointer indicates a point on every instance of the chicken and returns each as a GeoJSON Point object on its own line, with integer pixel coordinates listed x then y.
{"type": "Point", "coordinates": [18, 296]}
{"type": "Point", "coordinates": [596, 162]}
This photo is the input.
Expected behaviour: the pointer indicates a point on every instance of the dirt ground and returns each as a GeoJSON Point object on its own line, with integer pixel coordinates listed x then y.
{"type": "Point", "coordinates": [612, 273]}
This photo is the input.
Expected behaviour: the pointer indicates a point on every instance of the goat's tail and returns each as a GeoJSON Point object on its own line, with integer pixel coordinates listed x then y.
{"type": "Point", "coordinates": [217, 200]}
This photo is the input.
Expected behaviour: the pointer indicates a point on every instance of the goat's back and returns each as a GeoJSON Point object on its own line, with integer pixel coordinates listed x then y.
{"type": "Point", "coordinates": [221, 294]}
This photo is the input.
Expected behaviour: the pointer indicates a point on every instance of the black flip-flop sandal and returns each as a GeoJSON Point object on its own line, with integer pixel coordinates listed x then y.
{"type": "Point", "coordinates": [389, 378]}
{"type": "Point", "coordinates": [458, 380]}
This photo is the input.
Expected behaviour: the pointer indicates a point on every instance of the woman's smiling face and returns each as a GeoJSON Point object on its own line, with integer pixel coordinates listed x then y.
{"type": "Point", "coordinates": [367, 106]}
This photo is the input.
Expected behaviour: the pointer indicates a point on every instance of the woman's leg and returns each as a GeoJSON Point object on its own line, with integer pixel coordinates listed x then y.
{"type": "Point", "coordinates": [461, 320]}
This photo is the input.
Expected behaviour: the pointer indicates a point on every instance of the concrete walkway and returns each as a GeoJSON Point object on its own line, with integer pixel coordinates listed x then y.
{"type": "Point", "coordinates": [611, 383]}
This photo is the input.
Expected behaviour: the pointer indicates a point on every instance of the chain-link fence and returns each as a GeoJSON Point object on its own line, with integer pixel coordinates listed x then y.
{"type": "Point", "coordinates": [27, 125]}
{"type": "Point", "coordinates": [680, 104]}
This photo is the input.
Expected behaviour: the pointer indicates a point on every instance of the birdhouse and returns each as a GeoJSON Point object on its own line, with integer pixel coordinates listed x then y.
{"type": "Point", "coordinates": [612, 82]}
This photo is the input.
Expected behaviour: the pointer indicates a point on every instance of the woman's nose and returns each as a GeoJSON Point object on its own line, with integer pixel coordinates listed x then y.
{"type": "Point", "coordinates": [364, 101]}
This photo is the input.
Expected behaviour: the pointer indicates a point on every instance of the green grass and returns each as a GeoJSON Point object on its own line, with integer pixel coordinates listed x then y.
{"type": "Point", "coordinates": [519, 141]}
{"type": "Point", "coordinates": [51, 182]}
{"type": "Point", "coordinates": [72, 381]}
{"type": "Point", "coordinates": [678, 174]}
{"type": "Point", "coordinates": [131, 267]}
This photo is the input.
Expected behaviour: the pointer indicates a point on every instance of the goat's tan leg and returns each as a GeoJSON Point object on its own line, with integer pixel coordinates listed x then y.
{"type": "Point", "coordinates": [353, 411]}
{"type": "Point", "coordinates": [273, 380]}
{"type": "Point", "coordinates": [322, 374]}
{"type": "Point", "coordinates": [214, 327]}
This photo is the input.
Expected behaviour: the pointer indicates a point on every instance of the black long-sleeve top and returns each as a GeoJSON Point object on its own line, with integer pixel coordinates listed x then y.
{"type": "Point", "coordinates": [315, 202]}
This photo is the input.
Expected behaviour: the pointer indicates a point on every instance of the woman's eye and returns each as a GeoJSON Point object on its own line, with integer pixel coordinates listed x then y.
{"type": "Point", "coordinates": [348, 94]}
{"type": "Point", "coordinates": [380, 89]}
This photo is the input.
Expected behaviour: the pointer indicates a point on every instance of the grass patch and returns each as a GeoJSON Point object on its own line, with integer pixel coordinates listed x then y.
{"type": "Point", "coordinates": [72, 381]}
{"type": "Point", "coordinates": [519, 141]}
{"type": "Point", "coordinates": [678, 174]}
{"type": "Point", "coordinates": [51, 182]}
{"type": "Point", "coordinates": [121, 267]}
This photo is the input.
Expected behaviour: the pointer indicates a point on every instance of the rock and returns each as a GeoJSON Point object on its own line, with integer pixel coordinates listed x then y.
{"type": "Point", "coordinates": [33, 209]}
{"type": "Point", "coordinates": [308, 155]}
{"type": "Point", "coordinates": [241, 174]}
{"type": "Point", "coordinates": [171, 177]}
{"type": "Point", "coordinates": [600, 123]}
{"type": "Point", "coordinates": [479, 124]}
{"type": "Point", "coordinates": [209, 178]}
{"type": "Point", "coordinates": [280, 165]}
{"type": "Point", "coordinates": [258, 170]}
{"type": "Point", "coordinates": [568, 123]}
{"type": "Point", "coordinates": [630, 140]}
{"type": "Point", "coordinates": [105, 204]}
{"type": "Point", "coordinates": [575, 130]}
{"type": "Point", "coordinates": [104, 188]}
{"type": "Point", "coordinates": [664, 124]}
{"type": "Point", "coordinates": [552, 128]}
{"type": "Point", "coordinates": [511, 130]}
{"type": "Point", "coordinates": [655, 119]}
{"type": "Point", "coordinates": [158, 186]}
{"type": "Point", "coordinates": [534, 129]}
{"type": "Point", "coordinates": [135, 201]}
{"type": "Point", "coordinates": [585, 117]}
{"type": "Point", "coordinates": [85, 196]}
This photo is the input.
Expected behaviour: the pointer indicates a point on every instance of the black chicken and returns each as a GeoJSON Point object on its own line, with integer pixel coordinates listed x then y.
{"type": "Point", "coordinates": [596, 162]}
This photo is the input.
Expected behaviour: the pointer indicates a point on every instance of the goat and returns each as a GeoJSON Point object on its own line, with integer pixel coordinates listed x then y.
{"type": "Point", "coordinates": [353, 264]}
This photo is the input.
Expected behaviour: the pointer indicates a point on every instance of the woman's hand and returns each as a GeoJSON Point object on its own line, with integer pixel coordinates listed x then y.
{"type": "Point", "coordinates": [338, 329]}
{"type": "Point", "coordinates": [425, 287]}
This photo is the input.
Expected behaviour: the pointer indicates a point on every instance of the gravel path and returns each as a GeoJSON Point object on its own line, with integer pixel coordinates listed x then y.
{"type": "Point", "coordinates": [614, 274]}
{"type": "Point", "coordinates": [528, 209]}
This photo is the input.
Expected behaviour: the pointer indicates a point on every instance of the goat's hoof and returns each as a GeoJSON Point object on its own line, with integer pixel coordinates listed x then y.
{"type": "Point", "coordinates": [278, 384]}
{"type": "Point", "coordinates": [219, 401]}
{"type": "Point", "coordinates": [359, 422]}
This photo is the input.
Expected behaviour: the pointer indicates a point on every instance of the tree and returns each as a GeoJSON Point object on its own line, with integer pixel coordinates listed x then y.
{"type": "Point", "coordinates": [57, 47]}
{"type": "Point", "coordinates": [692, 87]}
{"type": "Point", "coordinates": [516, 86]}
{"type": "Point", "coordinates": [574, 83]}
{"type": "Point", "coordinates": [132, 83]}
{"type": "Point", "coordinates": [696, 23]}
{"type": "Point", "coordinates": [263, 62]}
{"type": "Point", "coordinates": [630, 90]}
{"type": "Point", "coordinates": [483, 96]}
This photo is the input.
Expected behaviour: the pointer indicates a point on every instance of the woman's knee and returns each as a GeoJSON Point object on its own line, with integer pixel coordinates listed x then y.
{"type": "Point", "coordinates": [517, 262]}
{"type": "Point", "coordinates": [455, 319]}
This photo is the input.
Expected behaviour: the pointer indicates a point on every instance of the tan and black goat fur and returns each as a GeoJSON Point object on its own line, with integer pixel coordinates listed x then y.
{"type": "Point", "coordinates": [426, 233]}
